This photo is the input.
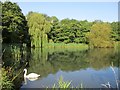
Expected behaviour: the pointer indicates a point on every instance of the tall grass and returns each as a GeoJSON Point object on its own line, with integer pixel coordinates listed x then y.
{"type": "Point", "coordinates": [62, 84]}
{"type": "Point", "coordinates": [62, 47]}
{"type": "Point", "coordinates": [70, 45]}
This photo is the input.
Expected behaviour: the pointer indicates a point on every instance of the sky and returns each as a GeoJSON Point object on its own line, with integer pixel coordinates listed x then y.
{"type": "Point", "coordinates": [105, 11]}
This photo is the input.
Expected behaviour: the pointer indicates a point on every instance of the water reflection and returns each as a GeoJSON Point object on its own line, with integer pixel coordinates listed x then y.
{"type": "Point", "coordinates": [47, 62]}
{"type": "Point", "coordinates": [89, 67]}
{"type": "Point", "coordinates": [25, 80]}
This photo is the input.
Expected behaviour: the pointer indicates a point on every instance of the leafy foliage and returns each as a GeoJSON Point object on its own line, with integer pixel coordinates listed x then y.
{"type": "Point", "coordinates": [5, 81]}
{"type": "Point", "coordinates": [115, 31]}
{"type": "Point", "coordinates": [38, 29]}
{"type": "Point", "coordinates": [69, 31]}
{"type": "Point", "coordinates": [14, 24]}
{"type": "Point", "coordinates": [100, 34]}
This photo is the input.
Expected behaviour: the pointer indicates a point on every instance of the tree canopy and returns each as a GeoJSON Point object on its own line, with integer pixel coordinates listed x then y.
{"type": "Point", "coordinates": [14, 24]}
{"type": "Point", "coordinates": [115, 31]}
{"type": "Point", "coordinates": [38, 28]}
{"type": "Point", "coordinates": [100, 34]}
{"type": "Point", "coordinates": [69, 31]}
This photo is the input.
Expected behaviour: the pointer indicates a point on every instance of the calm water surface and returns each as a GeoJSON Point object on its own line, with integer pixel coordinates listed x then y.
{"type": "Point", "coordinates": [91, 68]}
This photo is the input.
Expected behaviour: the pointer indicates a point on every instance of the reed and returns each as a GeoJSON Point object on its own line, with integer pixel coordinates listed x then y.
{"type": "Point", "coordinates": [62, 84]}
{"type": "Point", "coordinates": [108, 85]}
{"type": "Point", "coordinates": [115, 76]}
{"type": "Point", "coordinates": [65, 85]}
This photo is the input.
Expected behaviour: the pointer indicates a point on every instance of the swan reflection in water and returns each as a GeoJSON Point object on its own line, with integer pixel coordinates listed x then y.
{"type": "Point", "coordinates": [31, 76]}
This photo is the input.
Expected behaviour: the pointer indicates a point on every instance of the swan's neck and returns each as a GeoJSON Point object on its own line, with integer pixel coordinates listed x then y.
{"type": "Point", "coordinates": [25, 74]}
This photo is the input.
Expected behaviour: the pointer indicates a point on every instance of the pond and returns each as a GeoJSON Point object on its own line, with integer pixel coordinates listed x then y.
{"type": "Point", "coordinates": [83, 68]}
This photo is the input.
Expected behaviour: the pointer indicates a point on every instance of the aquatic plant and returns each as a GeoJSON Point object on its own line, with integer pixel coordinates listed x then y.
{"type": "Point", "coordinates": [108, 85]}
{"type": "Point", "coordinates": [63, 84]}
{"type": "Point", "coordinates": [116, 79]}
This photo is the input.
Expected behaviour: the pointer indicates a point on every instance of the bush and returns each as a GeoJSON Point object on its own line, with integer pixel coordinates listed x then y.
{"type": "Point", "coordinates": [5, 81]}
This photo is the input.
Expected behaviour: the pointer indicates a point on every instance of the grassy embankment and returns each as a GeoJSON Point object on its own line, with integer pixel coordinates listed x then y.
{"type": "Point", "coordinates": [70, 46]}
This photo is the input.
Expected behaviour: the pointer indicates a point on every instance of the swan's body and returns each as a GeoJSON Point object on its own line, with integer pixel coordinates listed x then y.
{"type": "Point", "coordinates": [31, 76]}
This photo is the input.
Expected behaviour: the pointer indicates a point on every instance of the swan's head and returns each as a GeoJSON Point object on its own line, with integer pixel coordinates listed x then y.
{"type": "Point", "coordinates": [25, 70]}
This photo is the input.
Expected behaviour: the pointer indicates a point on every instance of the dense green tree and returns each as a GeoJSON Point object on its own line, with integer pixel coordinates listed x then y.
{"type": "Point", "coordinates": [59, 31]}
{"type": "Point", "coordinates": [64, 33]}
{"type": "Point", "coordinates": [14, 24]}
{"type": "Point", "coordinates": [85, 29]}
{"type": "Point", "coordinates": [38, 29]}
{"type": "Point", "coordinates": [100, 34]}
{"type": "Point", "coordinates": [55, 25]}
{"type": "Point", "coordinates": [69, 31]}
{"type": "Point", "coordinates": [115, 31]}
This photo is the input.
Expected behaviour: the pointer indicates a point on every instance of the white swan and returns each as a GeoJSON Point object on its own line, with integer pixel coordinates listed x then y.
{"type": "Point", "coordinates": [31, 76]}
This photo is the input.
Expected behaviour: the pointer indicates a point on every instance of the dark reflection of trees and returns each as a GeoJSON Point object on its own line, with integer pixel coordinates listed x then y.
{"type": "Point", "coordinates": [15, 56]}
{"type": "Point", "coordinates": [101, 58]}
{"type": "Point", "coordinates": [14, 59]}
{"type": "Point", "coordinates": [50, 62]}
{"type": "Point", "coordinates": [69, 61]}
